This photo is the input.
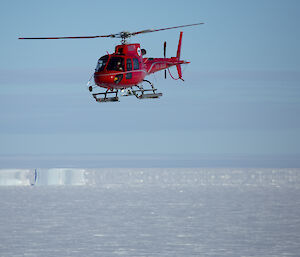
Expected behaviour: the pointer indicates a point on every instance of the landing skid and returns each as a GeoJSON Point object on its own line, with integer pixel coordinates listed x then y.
{"type": "Point", "coordinates": [138, 91]}
{"type": "Point", "coordinates": [106, 98]}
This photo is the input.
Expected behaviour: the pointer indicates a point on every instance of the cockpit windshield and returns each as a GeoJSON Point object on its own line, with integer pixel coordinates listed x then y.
{"type": "Point", "coordinates": [101, 63]}
{"type": "Point", "coordinates": [116, 63]}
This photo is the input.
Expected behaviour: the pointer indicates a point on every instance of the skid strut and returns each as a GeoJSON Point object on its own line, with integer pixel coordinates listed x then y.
{"type": "Point", "coordinates": [140, 92]}
{"type": "Point", "coordinates": [106, 98]}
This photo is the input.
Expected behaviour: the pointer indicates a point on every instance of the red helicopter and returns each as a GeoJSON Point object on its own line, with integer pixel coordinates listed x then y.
{"type": "Point", "coordinates": [126, 68]}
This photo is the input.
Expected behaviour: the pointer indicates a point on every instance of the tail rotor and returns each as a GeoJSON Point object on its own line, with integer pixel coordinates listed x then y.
{"type": "Point", "coordinates": [165, 48]}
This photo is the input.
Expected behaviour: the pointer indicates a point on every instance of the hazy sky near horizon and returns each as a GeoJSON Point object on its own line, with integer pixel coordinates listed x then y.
{"type": "Point", "coordinates": [241, 93]}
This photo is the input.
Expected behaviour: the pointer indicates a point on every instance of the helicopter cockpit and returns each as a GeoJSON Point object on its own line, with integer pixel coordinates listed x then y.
{"type": "Point", "coordinates": [115, 63]}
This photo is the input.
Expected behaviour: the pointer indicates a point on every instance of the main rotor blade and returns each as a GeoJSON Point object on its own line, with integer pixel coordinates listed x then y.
{"type": "Point", "coordinates": [112, 35]}
{"type": "Point", "coordinates": [154, 30]}
{"type": "Point", "coordinates": [122, 35]}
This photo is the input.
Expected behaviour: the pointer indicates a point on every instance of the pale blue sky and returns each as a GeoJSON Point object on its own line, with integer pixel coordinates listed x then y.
{"type": "Point", "coordinates": [241, 93]}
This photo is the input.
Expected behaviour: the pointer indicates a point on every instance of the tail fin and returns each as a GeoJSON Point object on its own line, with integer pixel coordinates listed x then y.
{"type": "Point", "coordinates": [178, 56]}
{"type": "Point", "coordinates": [179, 46]}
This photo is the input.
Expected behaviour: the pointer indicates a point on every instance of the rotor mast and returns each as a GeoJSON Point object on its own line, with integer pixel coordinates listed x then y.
{"type": "Point", "coordinates": [124, 35]}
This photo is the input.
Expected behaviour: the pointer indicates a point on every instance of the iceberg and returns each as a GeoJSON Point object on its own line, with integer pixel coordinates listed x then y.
{"type": "Point", "coordinates": [16, 177]}
{"type": "Point", "coordinates": [43, 177]}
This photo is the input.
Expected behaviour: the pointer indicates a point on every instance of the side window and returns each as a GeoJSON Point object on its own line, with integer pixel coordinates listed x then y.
{"type": "Point", "coordinates": [129, 68]}
{"type": "Point", "coordinates": [129, 64]}
{"type": "Point", "coordinates": [116, 63]}
{"type": "Point", "coordinates": [136, 64]}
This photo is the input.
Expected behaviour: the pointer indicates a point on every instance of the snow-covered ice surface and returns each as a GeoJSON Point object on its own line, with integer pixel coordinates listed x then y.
{"type": "Point", "coordinates": [150, 212]}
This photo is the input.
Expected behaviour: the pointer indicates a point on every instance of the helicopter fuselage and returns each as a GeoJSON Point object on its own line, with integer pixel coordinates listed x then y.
{"type": "Point", "coordinates": [127, 67]}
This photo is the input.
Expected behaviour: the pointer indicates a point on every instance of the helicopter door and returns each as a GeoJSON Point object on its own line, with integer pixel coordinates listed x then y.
{"type": "Point", "coordinates": [116, 64]}
{"type": "Point", "coordinates": [128, 68]}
